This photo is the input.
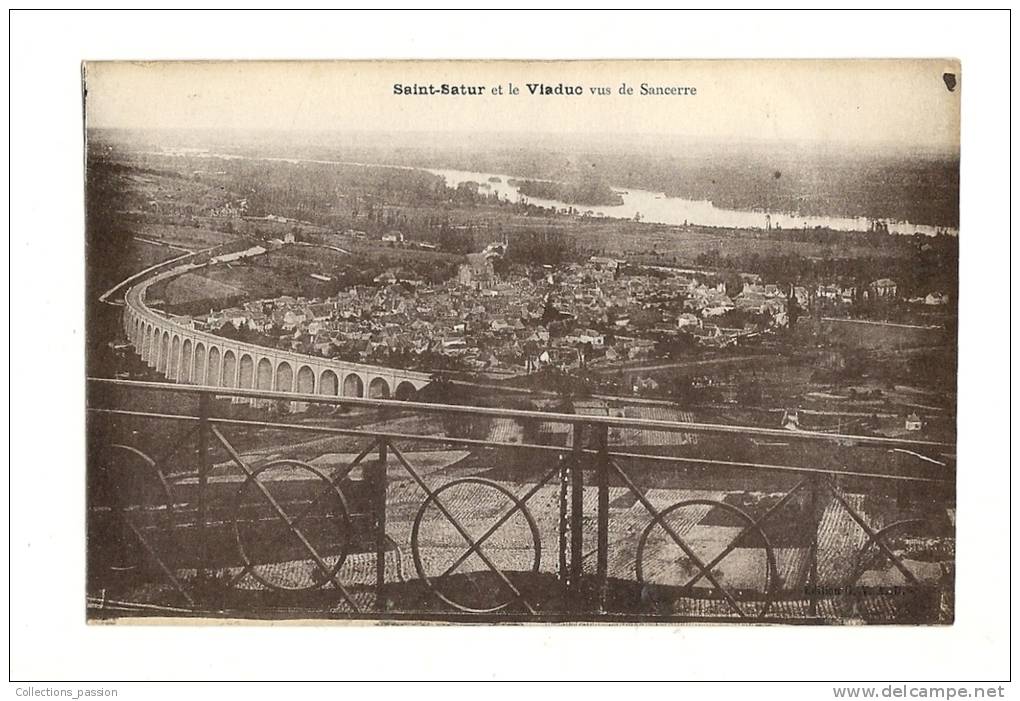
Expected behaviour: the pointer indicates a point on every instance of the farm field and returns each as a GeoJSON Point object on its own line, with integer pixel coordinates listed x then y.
{"type": "Point", "coordinates": [224, 285]}
{"type": "Point", "coordinates": [687, 243]}
{"type": "Point", "coordinates": [402, 256]}
{"type": "Point", "coordinates": [315, 258]}
{"type": "Point", "coordinates": [195, 287]}
{"type": "Point", "coordinates": [288, 270]}
{"type": "Point", "coordinates": [867, 334]}
{"type": "Point", "coordinates": [192, 238]}
{"type": "Point", "coordinates": [140, 254]}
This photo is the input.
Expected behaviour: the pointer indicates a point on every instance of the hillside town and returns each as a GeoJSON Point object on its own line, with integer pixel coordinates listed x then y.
{"type": "Point", "coordinates": [506, 319]}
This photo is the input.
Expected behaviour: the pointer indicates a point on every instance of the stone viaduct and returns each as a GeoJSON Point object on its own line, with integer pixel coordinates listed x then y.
{"type": "Point", "coordinates": [186, 355]}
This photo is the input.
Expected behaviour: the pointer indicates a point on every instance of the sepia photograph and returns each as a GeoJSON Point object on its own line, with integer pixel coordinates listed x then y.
{"type": "Point", "coordinates": [519, 345]}
{"type": "Point", "coordinates": [522, 341]}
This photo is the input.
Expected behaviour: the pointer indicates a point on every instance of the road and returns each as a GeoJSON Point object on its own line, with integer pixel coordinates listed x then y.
{"type": "Point", "coordinates": [711, 362]}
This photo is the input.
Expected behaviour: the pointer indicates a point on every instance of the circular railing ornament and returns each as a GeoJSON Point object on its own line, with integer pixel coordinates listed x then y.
{"type": "Point", "coordinates": [145, 487]}
{"type": "Point", "coordinates": [754, 534]}
{"type": "Point", "coordinates": [893, 584]}
{"type": "Point", "coordinates": [126, 492]}
{"type": "Point", "coordinates": [297, 532]}
{"type": "Point", "coordinates": [435, 583]}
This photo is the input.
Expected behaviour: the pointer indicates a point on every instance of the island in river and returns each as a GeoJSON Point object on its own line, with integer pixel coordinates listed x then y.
{"type": "Point", "coordinates": [589, 194]}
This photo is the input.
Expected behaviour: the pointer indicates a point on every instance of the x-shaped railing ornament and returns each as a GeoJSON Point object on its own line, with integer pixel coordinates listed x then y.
{"type": "Point", "coordinates": [336, 477]}
{"type": "Point", "coordinates": [754, 524]}
{"type": "Point", "coordinates": [167, 572]}
{"type": "Point", "coordinates": [325, 569]}
{"type": "Point", "coordinates": [698, 562]}
{"type": "Point", "coordinates": [518, 506]}
{"type": "Point", "coordinates": [876, 537]}
{"type": "Point", "coordinates": [474, 545]}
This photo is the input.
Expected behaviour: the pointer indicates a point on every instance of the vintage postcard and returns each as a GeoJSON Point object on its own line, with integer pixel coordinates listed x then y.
{"type": "Point", "coordinates": [496, 341]}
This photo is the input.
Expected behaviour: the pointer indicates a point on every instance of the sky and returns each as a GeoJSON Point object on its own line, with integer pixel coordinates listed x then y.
{"type": "Point", "coordinates": [849, 103]}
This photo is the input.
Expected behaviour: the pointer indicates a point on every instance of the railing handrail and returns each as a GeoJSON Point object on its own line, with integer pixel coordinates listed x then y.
{"type": "Point", "coordinates": [548, 417]}
{"type": "Point", "coordinates": [486, 443]}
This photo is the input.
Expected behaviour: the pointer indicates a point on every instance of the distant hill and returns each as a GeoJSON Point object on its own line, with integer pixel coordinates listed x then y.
{"type": "Point", "coordinates": [878, 182]}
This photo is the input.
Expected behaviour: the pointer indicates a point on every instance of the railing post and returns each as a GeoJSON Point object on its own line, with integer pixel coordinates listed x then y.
{"type": "Point", "coordinates": [564, 520]}
{"type": "Point", "coordinates": [577, 514]}
{"type": "Point", "coordinates": [204, 400]}
{"type": "Point", "coordinates": [602, 480]}
{"type": "Point", "coordinates": [380, 482]}
{"type": "Point", "coordinates": [813, 558]}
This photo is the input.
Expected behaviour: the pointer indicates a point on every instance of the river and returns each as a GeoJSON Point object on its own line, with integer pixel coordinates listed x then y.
{"type": "Point", "coordinates": [657, 208]}
{"type": "Point", "coordinates": [653, 207]}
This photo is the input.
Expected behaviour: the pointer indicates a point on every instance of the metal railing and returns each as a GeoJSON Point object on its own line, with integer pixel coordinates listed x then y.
{"type": "Point", "coordinates": [210, 529]}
